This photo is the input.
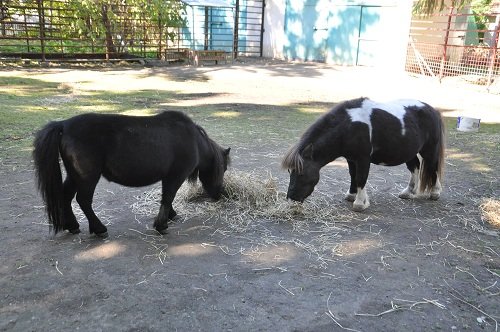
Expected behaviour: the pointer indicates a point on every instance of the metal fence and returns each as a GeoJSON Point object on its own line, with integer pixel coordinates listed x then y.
{"type": "Point", "coordinates": [41, 29]}
{"type": "Point", "coordinates": [456, 43]}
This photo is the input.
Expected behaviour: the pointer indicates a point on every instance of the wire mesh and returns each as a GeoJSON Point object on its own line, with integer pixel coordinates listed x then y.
{"type": "Point", "coordinates": [457, 43]}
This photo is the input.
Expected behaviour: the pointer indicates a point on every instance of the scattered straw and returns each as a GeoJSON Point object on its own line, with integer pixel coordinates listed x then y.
{"type": "Point", "coordinates": [286, 289]}
{"type": "Point", "coordinates": [490, 211]}
{"type": "Point", "coordinates": [251, 203]}
{"type": "Point", "coordinates": [459, 297]}
{"type": "Point", "coordinates": [332, 316]}
{"type": "Point", "coordinates": [398, 307]}
{"type": "Point", "coordinates": [57, 268]}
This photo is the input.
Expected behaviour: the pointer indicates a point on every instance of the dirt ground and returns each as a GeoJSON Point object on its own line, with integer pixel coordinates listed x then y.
{"type": "Point", "coordinates": [402, 265]}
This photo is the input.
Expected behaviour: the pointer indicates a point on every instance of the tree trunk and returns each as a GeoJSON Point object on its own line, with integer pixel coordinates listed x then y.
{"type": "Point", "coordinates": [110, 47]}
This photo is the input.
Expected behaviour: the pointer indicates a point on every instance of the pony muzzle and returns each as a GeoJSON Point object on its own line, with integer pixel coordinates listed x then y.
{"type": "Point", "coordinates": [295, 199]}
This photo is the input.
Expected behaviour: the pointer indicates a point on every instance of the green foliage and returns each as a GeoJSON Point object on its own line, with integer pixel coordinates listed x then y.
{"type": "Point", "coordinates": [122, 23]}
{"type": "Point", "coordinates": [480, 9]}
{"type": "Point", "coordinates": [116, 26]}
{"type": "Point", "coordinates": [428, 7]}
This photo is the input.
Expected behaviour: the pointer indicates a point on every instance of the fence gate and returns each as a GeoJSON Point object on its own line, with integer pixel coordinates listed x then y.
{"type": "Point", "coordinates": [250, 25]}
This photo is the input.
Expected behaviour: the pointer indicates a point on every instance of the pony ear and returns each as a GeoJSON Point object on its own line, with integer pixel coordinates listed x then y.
{"type": "Point", "coordinates": [307, 153]}
{"type": "Point", "coordinates": [226, 151]}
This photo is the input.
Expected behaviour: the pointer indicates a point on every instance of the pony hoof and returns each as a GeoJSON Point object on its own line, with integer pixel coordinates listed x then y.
{"type": "Point", "coordinates": [162, 231]}
{"type": "Point", "coordinates": [406, 195]}
{"type": "Point", "coordinates": [350, 197]}
{"type": "Point", "coordinates": [102, 235]}
{"type": "Point", "coordinates": [360, 207]}
{"type": "Point", "coordinates": [74, 231]}
{"type": "Point", "coordinates": [434, 196]}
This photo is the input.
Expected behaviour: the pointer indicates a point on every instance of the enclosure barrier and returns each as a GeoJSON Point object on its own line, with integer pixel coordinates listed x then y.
{"type": "Point", "coordinates": [54, 30]}
{"type": "Point", "coordinates": [456, 44]}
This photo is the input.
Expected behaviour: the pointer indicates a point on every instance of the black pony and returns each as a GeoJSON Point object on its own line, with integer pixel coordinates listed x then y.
{"type": "Point", "coordinates": [129, 150]}
{"type": "Point", "coordinates": [364, 132]}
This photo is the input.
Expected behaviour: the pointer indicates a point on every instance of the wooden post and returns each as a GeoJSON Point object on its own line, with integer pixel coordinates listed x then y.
{"type": "Point", "coordinates": [493, 53]}
{"type": "Point", "coordinates": [445, 46]}
{"type": "Point", "coordinates": [110, 47]}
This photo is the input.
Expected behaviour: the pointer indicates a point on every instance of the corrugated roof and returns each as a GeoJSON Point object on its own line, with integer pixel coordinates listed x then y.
{"type": "Point", "coordinates": [208, 3]}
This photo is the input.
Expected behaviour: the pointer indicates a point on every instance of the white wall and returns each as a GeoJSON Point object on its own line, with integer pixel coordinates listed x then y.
{"type": "Point", "coordinates": [274, 34]}
{"type": "Point", "coordinates": [274, 29]}
{"type": "Point", "coordinates": [401, 35]}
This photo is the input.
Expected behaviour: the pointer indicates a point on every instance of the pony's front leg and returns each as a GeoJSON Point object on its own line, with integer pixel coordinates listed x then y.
{"type": "Point", "coordinates": [161, 220]}
{"type": "Point", "coordinates": [411, 190]}
{"type": "Point", "coordinates": [165, 214]}
{"type": "Point", "coordinates": [361, 201]}
{"type": "Point", "coordinates": [169, 190]}
{"type": "Point", "coordinates": [350, 196]}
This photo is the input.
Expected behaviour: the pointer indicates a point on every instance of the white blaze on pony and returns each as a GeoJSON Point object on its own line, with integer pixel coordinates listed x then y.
{"type": "Point", "coordinates": [396, 108]}
{"type": "Point", "coordinates": [364, 132]}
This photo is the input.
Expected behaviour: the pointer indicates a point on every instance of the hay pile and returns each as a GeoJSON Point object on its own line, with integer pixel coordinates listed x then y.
{"type": "Point", "coordinates": [490, 211]}
{"type": "Point", "coordinates": [247, 197]}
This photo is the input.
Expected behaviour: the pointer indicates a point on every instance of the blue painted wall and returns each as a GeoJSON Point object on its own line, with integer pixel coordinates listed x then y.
{"type": "Point", "coordinates": [326, 31]}
{"type": "Point", "coordinates": [220, 28]}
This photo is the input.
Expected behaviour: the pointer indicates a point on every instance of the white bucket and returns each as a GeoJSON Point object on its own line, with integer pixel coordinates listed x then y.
{"type": "Point", "coordinates": [468, 124]}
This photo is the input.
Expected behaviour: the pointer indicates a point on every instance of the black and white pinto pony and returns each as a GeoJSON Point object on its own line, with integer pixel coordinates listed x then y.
{"type": "Point", "coordinates": [364, 132]}
{"type": "Point", "coordinates": [129, 150]}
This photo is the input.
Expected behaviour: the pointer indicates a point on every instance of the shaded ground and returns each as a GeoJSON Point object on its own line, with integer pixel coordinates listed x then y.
{"type": "Point", "coordinates": [401, 265]}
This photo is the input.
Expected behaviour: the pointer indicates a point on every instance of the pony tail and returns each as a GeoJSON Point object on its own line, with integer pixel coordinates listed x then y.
{"type": "Point", "coordinates": [431, 172]}
{"type": "Point", "coordinates": [48, 172]}
{"type": "Point", "coordinates": [441, 148]}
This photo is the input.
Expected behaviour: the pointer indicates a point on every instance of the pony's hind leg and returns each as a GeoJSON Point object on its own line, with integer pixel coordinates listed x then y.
{"type": "Point", "coordinates": [70, 223]}
{"type": "Point", "coordinates": [350, 196]}
{"type": "Point", "coordinates": [430, 174]}
{"type": "Point", "coordinates": [362, 169]}
{"type": "Point", "coordinates": [436, 190]}
{"type": "Point", "coordinates": [411, 189]}
{"type": "Point", "coordinates": [84, 196]}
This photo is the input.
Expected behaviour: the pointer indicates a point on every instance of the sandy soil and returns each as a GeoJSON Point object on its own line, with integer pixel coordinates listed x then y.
{"type": "Point", "coordinates": [415, 265]}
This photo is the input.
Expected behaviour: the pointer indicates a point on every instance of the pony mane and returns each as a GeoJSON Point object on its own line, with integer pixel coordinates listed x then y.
{"type": "Point", "coordinates": [218, 161]}
{"type": "Point", "coordinates": [315, 134]}
{"type": "Point", "coordinates": [293, 160]}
